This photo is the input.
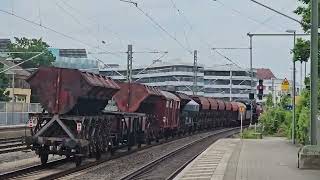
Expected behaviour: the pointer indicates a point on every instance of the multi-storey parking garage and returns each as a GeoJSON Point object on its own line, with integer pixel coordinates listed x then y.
{"type": "Point", "coordinates": [177, 76]}
{"type": "Point", "coordinates": [228, 82]}
{"type": "Point", "coordinates": [224, 81]}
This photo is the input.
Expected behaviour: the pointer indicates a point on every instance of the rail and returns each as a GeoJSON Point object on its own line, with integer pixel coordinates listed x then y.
{"type": "Point", "coordinates": [145, 169]}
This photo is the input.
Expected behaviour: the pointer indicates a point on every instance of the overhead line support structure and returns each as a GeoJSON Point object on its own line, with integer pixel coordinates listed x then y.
{"type": "Point", "coordinates": [251, 35]}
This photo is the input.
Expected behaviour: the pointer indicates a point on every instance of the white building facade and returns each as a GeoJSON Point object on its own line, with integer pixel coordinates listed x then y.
{"type": "Point", "coordinates": [228, 82]}
{"type": "Point", "coordinates": [225, 82]}
{"type": "Point", "coordinates": [175, 76]}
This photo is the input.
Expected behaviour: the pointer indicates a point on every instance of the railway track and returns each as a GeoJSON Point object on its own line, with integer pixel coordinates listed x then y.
{"type": "Point", "coordinates": [28, 171]}
{"type": "Point", "coordinates": [61, 168]}
{"type": "Point", "coordinates": [170, 165]}
{"type": "Point", "coordinates": [12, 145]}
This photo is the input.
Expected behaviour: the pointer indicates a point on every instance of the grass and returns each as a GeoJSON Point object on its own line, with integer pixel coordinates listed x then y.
{"type": "Point", "coordinates": [250, 134]}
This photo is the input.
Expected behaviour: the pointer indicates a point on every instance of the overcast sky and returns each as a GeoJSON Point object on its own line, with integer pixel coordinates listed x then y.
{"type": "Point", "coordinates": [199, 24]}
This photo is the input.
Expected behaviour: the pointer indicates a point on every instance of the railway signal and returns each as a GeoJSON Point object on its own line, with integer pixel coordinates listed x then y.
{"type": "Point", "coordinates": [260, 89]}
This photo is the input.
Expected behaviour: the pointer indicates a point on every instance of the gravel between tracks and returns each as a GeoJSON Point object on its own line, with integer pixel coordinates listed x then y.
{"type": "Point", "coordinates": [16, 160]}
{"type": "Point", "coordinates": [120, 167]}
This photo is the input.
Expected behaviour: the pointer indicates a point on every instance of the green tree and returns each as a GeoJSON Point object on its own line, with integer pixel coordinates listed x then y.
{"type": "Point", "coordinates": [304, 10]}
{"type": "Point", "coordinates": [4, 81]}
{"type": "Point", "coordinates": [301, 51]}
{"type": "Point", "coordinates": [31, 45]}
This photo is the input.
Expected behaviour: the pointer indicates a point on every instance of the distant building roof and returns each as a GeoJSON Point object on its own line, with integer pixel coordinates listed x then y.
{"type": "Point", "coordinates": [4, 44]}
{"type": "Point", "coordinates": [226, 67]}
{"type": "Point", "coordinates": [73, 53]}
{"type": "Point", "coordinates": [159, 64]}
{"type": "Point", "coordinates": [263, 73]}
{"type": "Point", "coordinates": [16, 70]}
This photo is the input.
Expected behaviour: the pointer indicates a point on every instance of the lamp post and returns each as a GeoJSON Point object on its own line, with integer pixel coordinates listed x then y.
{"type": "Point", "coordinates": [293, 90]}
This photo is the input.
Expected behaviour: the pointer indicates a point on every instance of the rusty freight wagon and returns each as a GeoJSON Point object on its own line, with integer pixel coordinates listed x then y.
{"type": "Point", "coordinates": [73, 122]}
{"type": "Point", "coordinates": [161, 108]}
{"type": "Point", "coordinates": [204, 112]}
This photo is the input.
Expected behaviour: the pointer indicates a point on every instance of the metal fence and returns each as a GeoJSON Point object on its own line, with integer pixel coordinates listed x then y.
{"type": "Point", "coordinates": [15, 113]}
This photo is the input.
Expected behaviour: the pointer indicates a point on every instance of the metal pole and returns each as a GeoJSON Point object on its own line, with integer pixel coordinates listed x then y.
{"type": "Point", "coordinates": [314, 72]}
{"type": "Point", "coordinates": [195, 72]}
{"type": "Point", "coordinates": [241, 129]}
{"type": "Point", "coordinates": [301, 81]}
{"type": "Point", "coordinates": [129, 74]}
{"type": "Point", "coordinates": [294, 96]}
{"type": "Point", "coordinates": [251, 75]}
{"type": "Point", "coordinates": [129, 64]}
{"type": "Point", "coordinates": [13, 98]}
{"type": "Point", "coordinates": [230, 84]}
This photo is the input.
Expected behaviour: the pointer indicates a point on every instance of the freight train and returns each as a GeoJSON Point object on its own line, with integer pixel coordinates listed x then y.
{"type": "Point", "coordinates": [75, 124]}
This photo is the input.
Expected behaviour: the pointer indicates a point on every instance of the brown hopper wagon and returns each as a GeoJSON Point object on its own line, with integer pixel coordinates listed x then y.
{"type": "Point", "coordinates": [74, 123]}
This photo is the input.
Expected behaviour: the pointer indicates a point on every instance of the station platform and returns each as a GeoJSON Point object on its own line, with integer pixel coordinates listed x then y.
{"type": "Point", "coordinates": [235, 159]}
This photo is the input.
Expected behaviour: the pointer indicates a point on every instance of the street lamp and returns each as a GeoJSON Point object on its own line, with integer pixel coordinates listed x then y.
{"type": "Point", "coordinates": [293, 89]}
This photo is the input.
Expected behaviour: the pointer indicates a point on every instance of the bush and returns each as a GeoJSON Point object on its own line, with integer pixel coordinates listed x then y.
{"type": "Point", "coordinates": [303, 123]}
{"type": "Point", "coordinates": [274, 121]}
{"type": "Point", "coordinates": [277, 121]}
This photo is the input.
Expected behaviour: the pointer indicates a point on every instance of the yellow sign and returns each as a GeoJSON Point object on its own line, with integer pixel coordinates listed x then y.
{"type": "Point", "coordinates": [285, 85]}
{"type": "Point", "coordinates": [242, 109]}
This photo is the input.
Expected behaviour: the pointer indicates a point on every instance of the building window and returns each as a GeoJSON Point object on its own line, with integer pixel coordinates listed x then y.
{"type": "Point", "coordinates": [217, 73]}
{"type": "Point", "coordinates": [217, 90]}
{"type": "Point", "coordinates": [240, 73]}
{"type": "Point", "coordinates": [239, 82]}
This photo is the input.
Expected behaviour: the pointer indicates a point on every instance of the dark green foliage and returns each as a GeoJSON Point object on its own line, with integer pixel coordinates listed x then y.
{"type": "Point", "coordinates": [4, 82]}
{"type": "Point", "coordinates": [301, 51]}
{"type": "Point", "coordinates": [274, 120]}
{"type": "Point", "coordinates": [278, 121]}
{"type": "Point", "coordinates": [269, 102]}
{"type": "Point", "coordinates": [305, 12]}
{"type": "Point", "coordinates": [32, 45]}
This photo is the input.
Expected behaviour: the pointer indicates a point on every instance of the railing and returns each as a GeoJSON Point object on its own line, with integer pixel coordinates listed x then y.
{"type": "Point", "coordinates": [17, 113]}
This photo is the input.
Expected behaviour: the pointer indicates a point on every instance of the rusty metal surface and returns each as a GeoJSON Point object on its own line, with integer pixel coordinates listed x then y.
{"type": "Point", "coordinates": [221, 104]}
{"type": "Point", "coordinates": [131, 96]}
{"type": "Point", "coordinates": [235, 106]}
{"type": "Point", "coordinates": [213, 104]}
{"type": "Point", "coordinates": [202, 101]}
{"type": "Point", "coordinates": [62, 90]}
{"type": "Point", "coordinates": [184, 99]}
{"type": "Point", "coordinates": [170, 96]}
{"type": "Point", "coordinates": [228, 105]}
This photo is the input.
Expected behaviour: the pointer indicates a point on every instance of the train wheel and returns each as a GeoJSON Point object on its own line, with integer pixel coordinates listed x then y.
{"type": "Point", "coordinates": [44, 158]}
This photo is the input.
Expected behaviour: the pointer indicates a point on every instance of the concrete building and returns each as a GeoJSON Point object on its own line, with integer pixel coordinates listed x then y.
{"type": "Point", "coordinates": [74, 58]}
{"type": "Point", "coordinates": [174, 75]}
{"type": "Point", "coordinates": [179, 76]}
{"type": "Point", "coordinates": [228, 82]}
